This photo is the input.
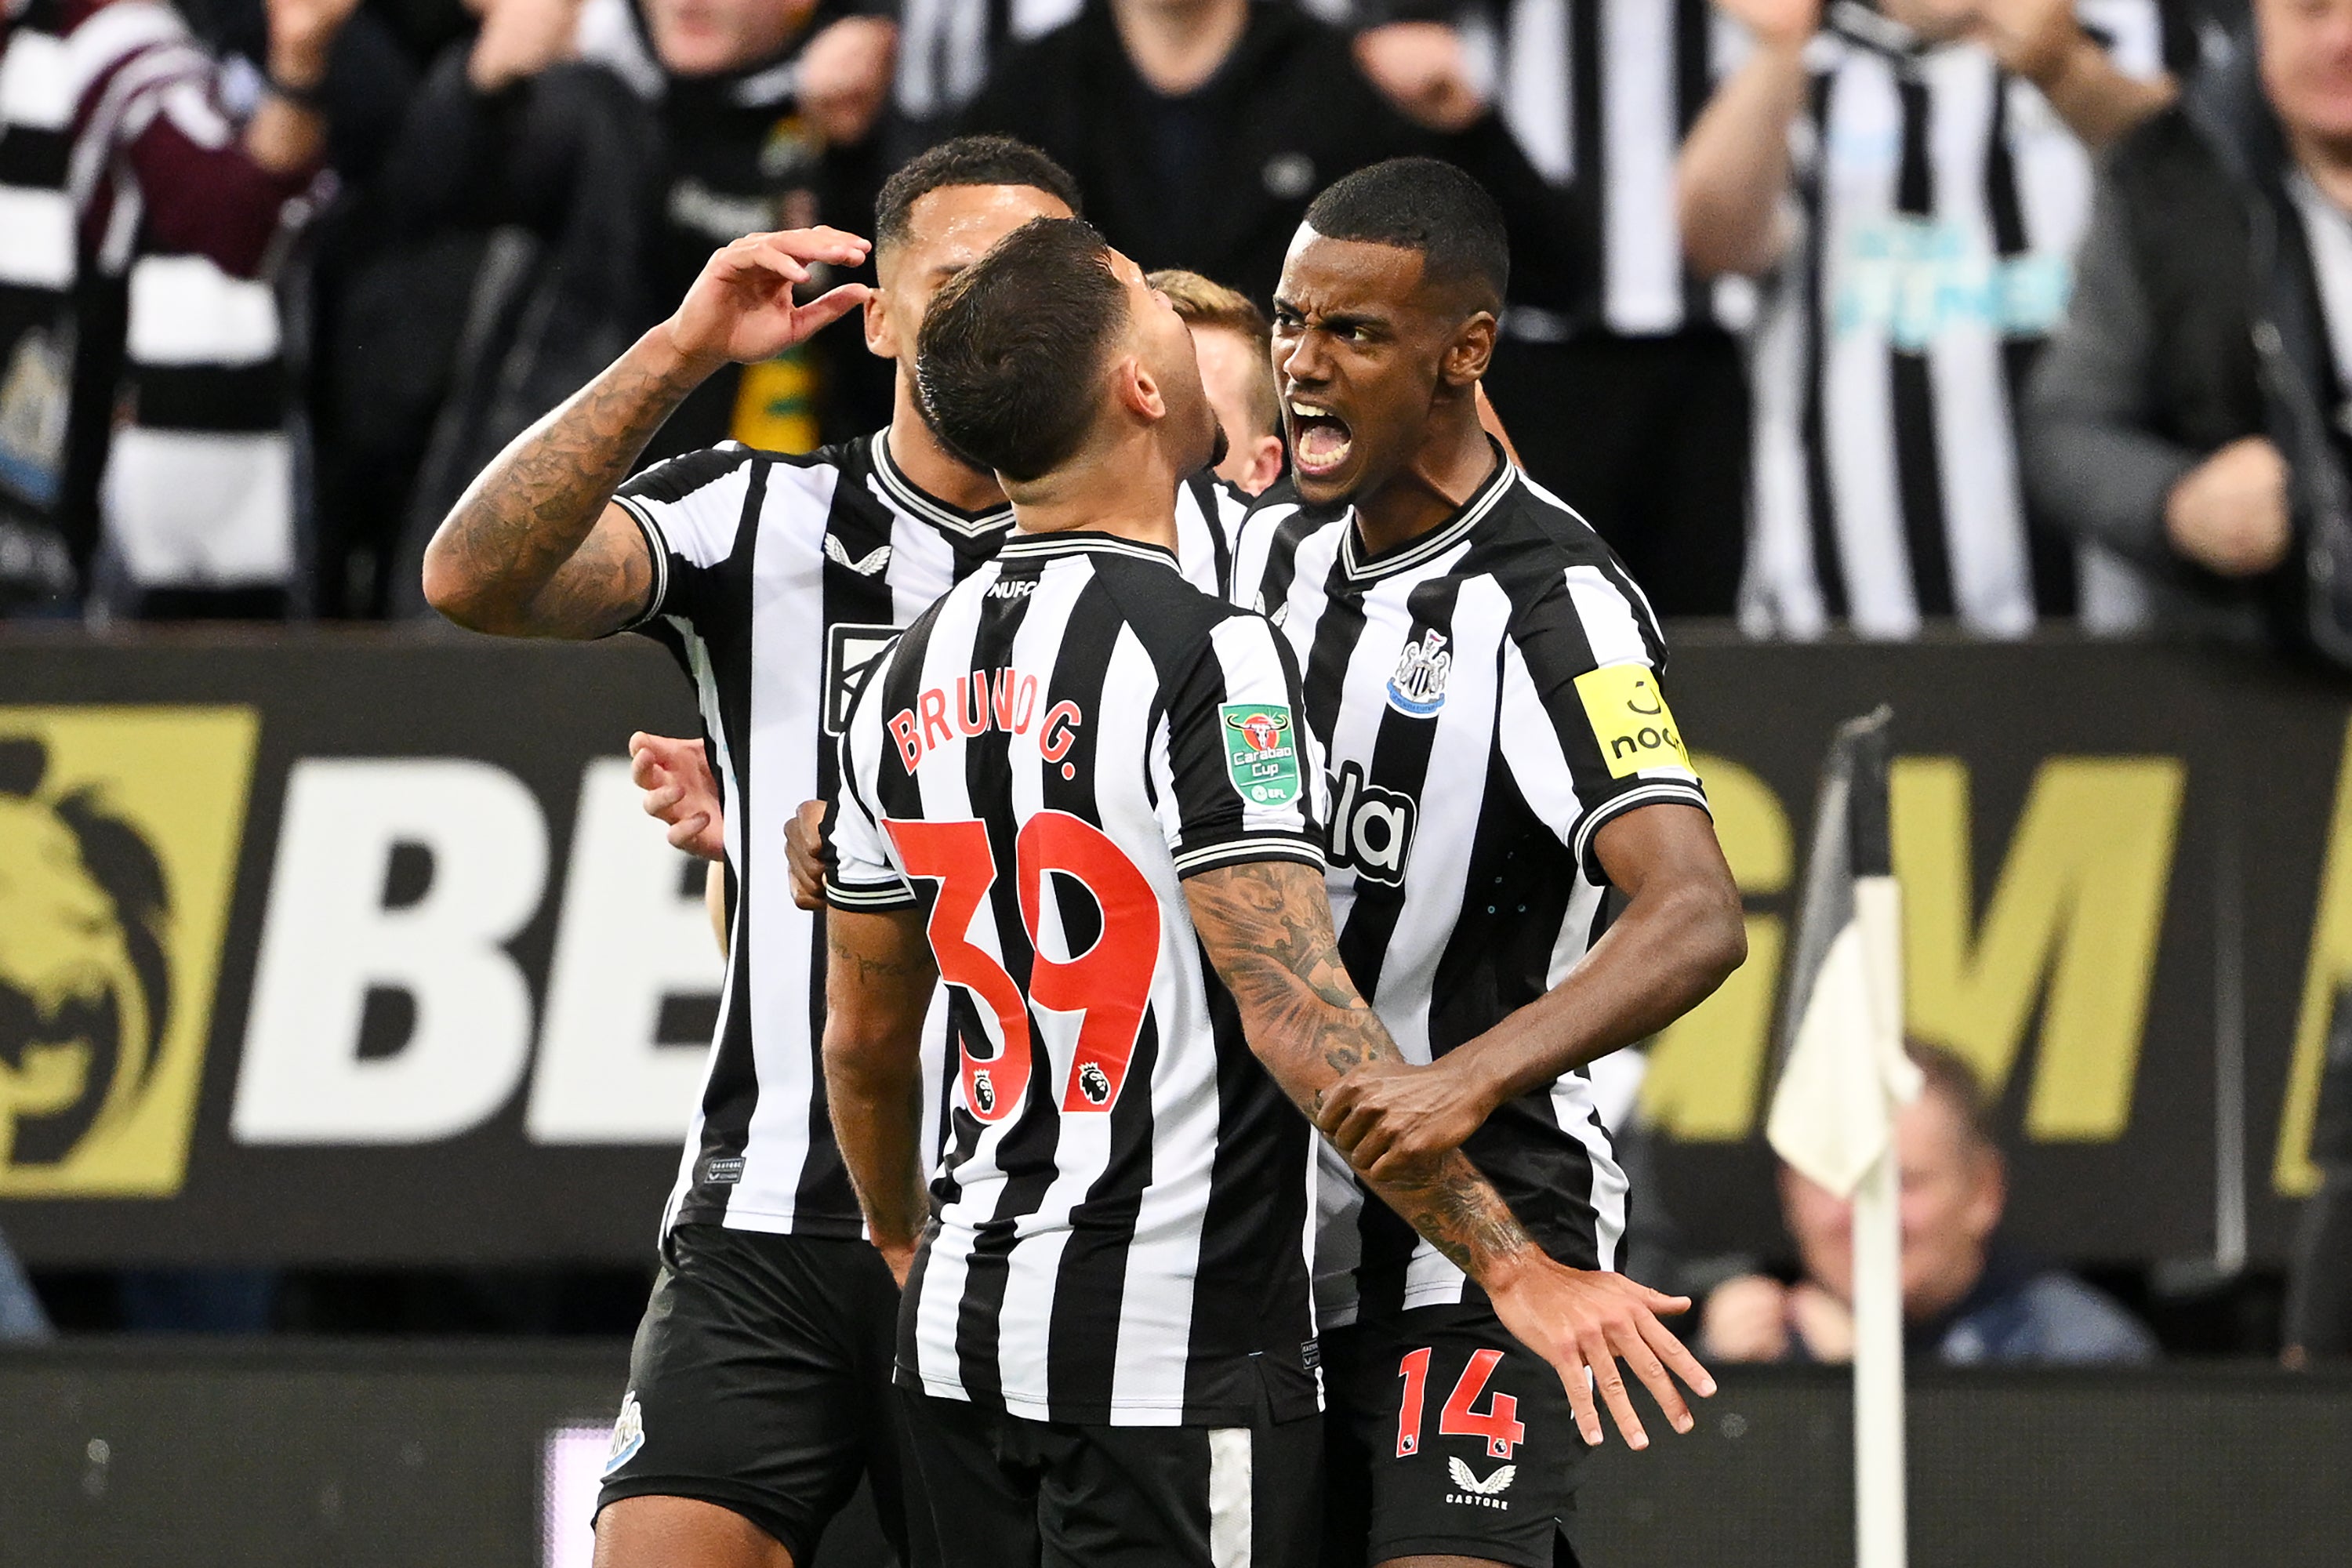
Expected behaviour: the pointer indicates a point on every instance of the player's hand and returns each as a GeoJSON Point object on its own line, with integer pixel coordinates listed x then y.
{"type": "Point", "coordinates": [1424, 69]}
{"type": "Point", "coordinates": [1783, 25]}
{"type": "Point", "coordinates": [676, 776]}
{"type": "Point", "coordinates": [1390, 1117]}
{"type": "Point", "coordinates": [741, 308]}
{"type": "Point", "coordinates": [804, 853]}
{"type": "Point", "coordinates": [845, 76]}
{"type": "Point", "coordinates": [1581, 1320]}
{"type": "Point", "coordinates": [2030, 38]}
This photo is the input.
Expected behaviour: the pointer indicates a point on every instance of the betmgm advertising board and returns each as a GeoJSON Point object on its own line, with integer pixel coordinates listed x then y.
{"type": "Point", "coordinates": [361, 949]}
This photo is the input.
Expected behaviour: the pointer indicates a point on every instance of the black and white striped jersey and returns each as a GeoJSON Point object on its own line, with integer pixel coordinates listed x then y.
{"type": "Point", "coordinates": [778, 579]}
{"type": "Point", "coordinates": [1121, 1218]}
{"type": "Point", "coordinates": [1940, 201]}
{"type": "Point", "coordinates": [1487, 696]}
{"type": "Point", "coordinates": [1598, 94]}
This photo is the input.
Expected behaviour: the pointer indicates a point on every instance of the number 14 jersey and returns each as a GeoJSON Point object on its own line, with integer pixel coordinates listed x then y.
{"type": "Point", "coordinates": [1122, 1215]}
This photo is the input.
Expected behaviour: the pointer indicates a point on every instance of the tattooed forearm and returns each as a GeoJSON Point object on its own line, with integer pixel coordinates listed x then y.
{"type": "Point", "coordinates": [864, 968]}
{"type": "Point", "coordinates": [1268, 929]}
{"type": "Point", "coordinates": [522, 553]}
{"type": "Point", "coordinates": [878, 979]}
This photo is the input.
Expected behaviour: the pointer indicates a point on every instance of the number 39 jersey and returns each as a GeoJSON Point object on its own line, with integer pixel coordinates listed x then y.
{"type": "Point", "coordinates": [1488, 695]}
{"type": "Point", "coordinates": [777, 580]}
{"type": "Point", "coordinates": [1122, 1214]}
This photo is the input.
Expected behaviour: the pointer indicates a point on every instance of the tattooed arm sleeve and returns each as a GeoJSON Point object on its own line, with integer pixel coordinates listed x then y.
{"type": "Point", "coordinates": [535, 547]}
{"type": "Point", "coordinates": [1266, 926]}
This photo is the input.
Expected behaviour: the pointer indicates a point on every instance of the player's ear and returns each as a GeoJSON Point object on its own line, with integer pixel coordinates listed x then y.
{"type": "Point", "coordinates": [881, 331]}
{"type": "Point", "coordinates": [1137, 388]}
{"type": "Point", "coordinates": [1472, 351]}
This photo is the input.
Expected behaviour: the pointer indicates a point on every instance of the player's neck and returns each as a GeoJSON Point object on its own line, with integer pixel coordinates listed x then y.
{"type": "Point", "coordinates": [930, 465]}
{"type": "Point", "coordinates": [1455, 458]}
{"type": "Point", "coordinates": [1127, 490]}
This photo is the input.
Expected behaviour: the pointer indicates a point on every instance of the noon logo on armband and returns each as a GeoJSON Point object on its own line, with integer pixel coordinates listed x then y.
{"type": "Point", "coordinates": [1261, 752]}
{"type": "Point", "coordinates": [1417, 689]}
{"type": "Point", "coordinates": [1630, 720]}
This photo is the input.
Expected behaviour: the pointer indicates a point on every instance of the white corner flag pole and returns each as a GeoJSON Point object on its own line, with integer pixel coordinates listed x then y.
{"type": "Point", "coordinates": [1880, 1508]}
{"type": "Point", "coordinates": [1842, 1079]}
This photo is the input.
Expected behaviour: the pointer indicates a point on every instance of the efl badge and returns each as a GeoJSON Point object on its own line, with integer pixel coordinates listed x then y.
{"type": "Point", "coordinates": [1261, 753]}
{"type": "Point", "coordinates": [1417, 689]}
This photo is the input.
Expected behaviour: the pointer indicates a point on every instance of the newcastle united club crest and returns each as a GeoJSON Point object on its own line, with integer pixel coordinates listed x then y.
{"type": "Point", "coordinates": [1417, 689]}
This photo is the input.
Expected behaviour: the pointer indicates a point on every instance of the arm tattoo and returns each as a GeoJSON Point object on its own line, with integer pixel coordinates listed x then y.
{"type": "Point", "coordinates": [1267, 927]}
{"type": "Point", "coordinates": [524, 536]}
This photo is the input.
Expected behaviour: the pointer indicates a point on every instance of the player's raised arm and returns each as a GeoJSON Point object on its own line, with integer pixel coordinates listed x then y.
{"type": "Point", "coordinates": [535, 547]}
{"type": "Point", "coordinates": [1267, 927]}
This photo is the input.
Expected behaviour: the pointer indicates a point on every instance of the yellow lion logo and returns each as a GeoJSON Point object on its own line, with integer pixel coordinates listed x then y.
{"type": "Point", "coordinates": [85, 993]}
{"type": "Point", "coordinates": [118, 834]}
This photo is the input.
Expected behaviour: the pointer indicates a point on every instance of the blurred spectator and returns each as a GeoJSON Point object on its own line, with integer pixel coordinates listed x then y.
{"type": "Point", "coordinates": [1236, 349]}
{"type": "Point", "coordinates": [1632, 402]}
{"type": "Point", "coordinates": [37, 336]}
{"type": "Point", "coordinates": [2319, 1276]}
{"type": "Point", "coordinates": [946, 50]}
{"type": "Point", "coordinates": [605, 149]}
{"type": "Point", "coordinates": [1966, 1299]}
{"type": "Point", "coordinates": [22, 1320]}
{"type": "Point", "coordinates": [1909, 276]}
{"type": "Point", "coordinates": [2193, 423]}
{"type": "Point", "coordinates": [1199, 128]}
{"type": "Point", "coordinates": [159, 188]}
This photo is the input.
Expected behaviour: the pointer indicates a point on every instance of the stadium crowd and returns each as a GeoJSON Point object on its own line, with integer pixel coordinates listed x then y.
{"type": "Point", "coordinates": [1828, 315]}
{"type": "Point", "coordinates": [279, 276]}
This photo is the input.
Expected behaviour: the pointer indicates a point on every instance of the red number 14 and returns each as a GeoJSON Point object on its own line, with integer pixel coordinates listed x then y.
{"type": "Point", "coordinates": [1498, 1424]}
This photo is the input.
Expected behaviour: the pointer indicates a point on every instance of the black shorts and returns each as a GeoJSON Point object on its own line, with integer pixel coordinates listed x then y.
{"type": "Point", "coordinates": [1447, 1438]}
{"type": "Point", "coordinates": [761, 1382]}
{"type": "Point", "coordinates": [1009, 1492]}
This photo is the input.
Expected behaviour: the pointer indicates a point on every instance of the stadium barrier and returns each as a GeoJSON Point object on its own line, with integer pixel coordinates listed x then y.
{"type": "Point", "coordinates": [403, 1456]}
{"type": "Point", "coordinates": [356, 947]}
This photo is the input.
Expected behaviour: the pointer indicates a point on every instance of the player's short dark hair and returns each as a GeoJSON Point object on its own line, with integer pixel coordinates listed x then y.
{"type": "Point", "coordinates": [965, 161]}
{"type": "Point", "coordinates": [1006, 358]}
{"type": "Point", "coordinates": [1428, 205]}
{"type": "Point", "coordinates": [1954, 1078]}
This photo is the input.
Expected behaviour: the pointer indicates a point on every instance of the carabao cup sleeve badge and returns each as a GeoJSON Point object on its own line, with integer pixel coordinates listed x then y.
{"type": "Point", "coordinates": [1261, 752]}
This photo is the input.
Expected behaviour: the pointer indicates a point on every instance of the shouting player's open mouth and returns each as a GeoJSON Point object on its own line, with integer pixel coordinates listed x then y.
{"type": "Point", "coordinates": [1319, 439]}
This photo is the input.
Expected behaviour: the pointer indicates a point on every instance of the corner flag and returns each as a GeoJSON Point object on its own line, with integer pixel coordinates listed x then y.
{"type": "Point", "coordinates": [1841, 1080]}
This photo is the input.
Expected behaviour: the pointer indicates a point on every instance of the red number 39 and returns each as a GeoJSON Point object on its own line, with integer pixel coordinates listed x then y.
{"type": "Point", "coordinates": [1110, 983]}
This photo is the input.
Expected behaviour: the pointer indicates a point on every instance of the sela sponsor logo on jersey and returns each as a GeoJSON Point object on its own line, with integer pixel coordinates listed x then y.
{"type": "Point", "coordinates": [850, 651]}
{"type": "Point", "coordinates": [628, 1434]}
{"type": "Point", "coordinates": [1630, 720]}
{"type": "Point", "coordinates": [1417, 689]}
{"type": "Point", "coordinates": [1261, 752]}
{"type": "Point", "coordinates": [1005, 701]}
{"type": "Point", "coordinates": [1371, 827]}
{"type": "Point", "coordinates": [1472, 1492]}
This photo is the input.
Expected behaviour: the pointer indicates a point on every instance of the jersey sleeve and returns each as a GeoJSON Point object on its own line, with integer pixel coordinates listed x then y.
{"type": "Point", "coordinates": [1243, 778]}
{"type": "Point", "coordinates": [690, 509]}
{"type": "Point", "coordinates": [1584, 725]}
{"type": "Point", "coordinates": [859, 873]}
